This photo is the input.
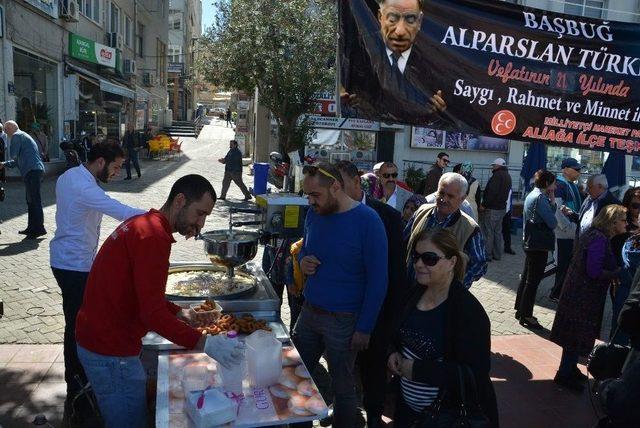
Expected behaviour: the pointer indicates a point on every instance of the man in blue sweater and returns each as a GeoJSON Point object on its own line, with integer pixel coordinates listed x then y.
{"type": "Point", "coordinates": [344, 259]}
{"type": "Point", "coordinates": [26, 156]}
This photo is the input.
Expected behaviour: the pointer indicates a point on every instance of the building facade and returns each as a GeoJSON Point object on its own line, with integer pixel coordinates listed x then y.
{"type": "Point", "coordinates": [72, 68]}
{"type": "Point", "coordinates": [185, 28]}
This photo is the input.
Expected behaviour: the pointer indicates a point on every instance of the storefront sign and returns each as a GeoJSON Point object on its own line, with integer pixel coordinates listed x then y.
{"type": "Point", "coordinates": [518, 73]}
{"type": "Point", "coordinates": [343, 123]}
{"type": "Point", "coordinates": [176, 67]}
{"type": "Point", "coordinates": [90, 51]}
{"type": "Point", "coordinates": [325, 104]}
{"type": "Point", "coordinates": [50, 7]}
{"type": "Point", "coordinates": [243, 105]}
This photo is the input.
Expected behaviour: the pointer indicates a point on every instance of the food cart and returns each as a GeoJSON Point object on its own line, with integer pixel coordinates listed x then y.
{"type": "Point", "coordinates": [293, 398]}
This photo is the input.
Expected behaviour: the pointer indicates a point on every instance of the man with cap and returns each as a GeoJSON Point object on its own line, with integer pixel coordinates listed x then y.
{"type": "Point", "coordinates": [494, 208]}
{"type": "Point", "coordinates": [566, 194]}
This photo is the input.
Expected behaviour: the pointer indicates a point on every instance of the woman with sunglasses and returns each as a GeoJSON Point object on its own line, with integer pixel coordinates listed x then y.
{"type": "Point", "coordinates": [441, 327]}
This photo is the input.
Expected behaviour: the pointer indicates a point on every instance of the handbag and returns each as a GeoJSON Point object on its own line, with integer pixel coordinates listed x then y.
{"type": "Point", "coordinates": [607, 359]}
{"type": "Point", "coordinates": [461, 416]}
{"type": "Point", "coordinates": [538, 236]}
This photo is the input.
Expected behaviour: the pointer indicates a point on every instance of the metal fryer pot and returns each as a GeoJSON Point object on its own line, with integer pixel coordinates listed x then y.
{"type": "Point", "coordinates": [230, 248]}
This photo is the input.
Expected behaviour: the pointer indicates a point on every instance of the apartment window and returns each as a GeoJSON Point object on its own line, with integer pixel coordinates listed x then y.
{"type": "Point", "coordinates": [588, 8]}
{"type": "Point", "coordinates": [175, 54]}
{"type": "Point", "coordinates": [176, 24]}
{"type": "Point", "coordinates": [115, 19]}
{"type": "Point", "coordinates": [128, 32]}
{"type": "Point", "coordinates": [91, 9]}
{"type": "Point", "coordinates": [140, 37]}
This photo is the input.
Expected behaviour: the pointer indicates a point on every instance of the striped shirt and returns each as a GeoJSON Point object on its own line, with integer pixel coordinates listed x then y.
{"type": "Point", "coordinates": [422, 338]}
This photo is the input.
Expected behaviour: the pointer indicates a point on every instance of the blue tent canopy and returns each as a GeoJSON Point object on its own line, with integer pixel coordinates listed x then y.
{"type": "Point", "coordinates": [535, 159]}
{"type": "Point", "coordinates": [615, 169]}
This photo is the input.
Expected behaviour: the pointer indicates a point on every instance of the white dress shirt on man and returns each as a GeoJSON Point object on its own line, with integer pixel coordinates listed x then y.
{"type": "Point", "coordinates": [80, 204]}
{"type": "Point", "coordinates": [402, 61]}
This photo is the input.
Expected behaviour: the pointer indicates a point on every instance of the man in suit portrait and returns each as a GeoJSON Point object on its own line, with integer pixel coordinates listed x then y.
{"type": "Point", "coordinates": [400, 89]}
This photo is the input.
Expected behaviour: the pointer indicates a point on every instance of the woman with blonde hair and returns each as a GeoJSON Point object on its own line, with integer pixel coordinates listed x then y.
{"type": "Point", "coordinates": [579, 316]}
{"type": "Point", "coordinates": [442, 331]}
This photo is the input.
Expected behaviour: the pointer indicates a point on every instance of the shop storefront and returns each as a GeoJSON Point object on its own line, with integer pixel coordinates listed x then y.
{"type": "Point", "coordinates": [35, 86]}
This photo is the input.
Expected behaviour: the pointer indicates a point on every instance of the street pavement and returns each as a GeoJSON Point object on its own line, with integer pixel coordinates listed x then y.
{"type": "Point", "coordinates": [32, 300]}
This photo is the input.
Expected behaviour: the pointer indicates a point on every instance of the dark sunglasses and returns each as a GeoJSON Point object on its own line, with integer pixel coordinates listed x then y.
{"type": "Point", "coordinates": [447, 161]}
{"type": "Point", "coordinates": [428, 259]}
{"type": "Point", "coordinates": [389, 175]}
{"type": "Point", "coordinates": [635, 205]}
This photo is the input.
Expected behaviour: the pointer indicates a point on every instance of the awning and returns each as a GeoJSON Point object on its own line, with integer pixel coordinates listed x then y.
{"type": "Point", "coordinates": [142, 95]}
{"type": "Point", "coordinates": [105, 85]}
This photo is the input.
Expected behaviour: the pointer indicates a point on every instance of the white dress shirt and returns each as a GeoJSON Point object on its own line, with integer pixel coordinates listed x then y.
{"type": "Point", "coordinates": [393, 198]}
{"type": "Point", "coordinates": [80, 204]}
{"type": "Point", "coordinates": [402, 61]}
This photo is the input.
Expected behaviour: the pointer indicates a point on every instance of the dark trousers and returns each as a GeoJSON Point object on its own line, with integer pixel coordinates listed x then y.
{"type": "Point", "coordinates": [373, 373]}
{"type": "Point", "coordinates": [295, 307]}
{"type": "Point", "coordinates": [506, 231]}
{"type": "Point", "coordinates": [72, 284]}
{"type": "Point", "coordinates": [132, 157]}
{"type": "Point", "coordinates": [35, 222]}
{"type": "Point", "coordinates": [404, 416]}
{"type": "Point", "coordinates": [236, 177]}
{"type": "Point", "coordinates": [534, 265]}
{"type": "Point", "coordinates": [329, 333]}
{"type": "Point", "coordinates": [563, 260]}
{"type": "Point", "coordinates": [568, 363]}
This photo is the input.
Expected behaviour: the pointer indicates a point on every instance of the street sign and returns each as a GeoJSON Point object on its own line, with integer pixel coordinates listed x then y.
{"type": "Point", "coordinates": [343, 123]}
{"type": "Point", "coordinates": [176, 67]}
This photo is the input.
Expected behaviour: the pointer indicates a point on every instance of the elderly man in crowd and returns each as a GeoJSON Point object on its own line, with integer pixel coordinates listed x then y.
{"type": "Point", "coordinates": [599, 197]}
{"type": "Point", "coordinates": [446, 214]}
{"type": "Point", "coordinates": [372, 361]}
{"type": "Point", "coordinates": [344, 258]}
{"type": "Point", "coordinates": [26, 156]}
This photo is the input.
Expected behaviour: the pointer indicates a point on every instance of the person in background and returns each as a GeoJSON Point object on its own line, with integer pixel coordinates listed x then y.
{"type": "Point", "coordinates": [568, 195]}
{"type": "Point", "coordinates": [493, 208]}
{"type": "Point", "coordinates": [394, 195]}
{"type": "Point", "coordinates": [373, 360]}
{"type": "Point", "coordinates": [429, 184]}
{"type": "Point", "coordinates": [580, 309]}
{"type": "Point", "coordinates": [41, 140]}
{"type": "Point", "coordinates": [440, 328]}
{"type": "Point", "coordinates": [26, 157]}
{"type": "Point", "coordinates": [344, 259]}
{"type": "Point", "coordinates": [506, 226]}
{"type": "Point", "coordinates": [125, 299]}
{"type": "Point", "coordinates": [371, 185]}
{"type": "Point", "coordinates": [228, 117]}
{"type": "Point", "coordinates": [539, 207]}
{"type": "Point", "coordinates": [131, 144]}
{"type": "Point", "coordinates": [233, 171]}
{"type": "Point", "coordinates": [598, 198]}
{"type": "Point", "coordinates": [626, 248]}
{"type": "Point", "coordinates": [474, 192]}
{"type": "Point", "coordinates": [447, 214]}
{"type": "Point", "coordinates": [410, 207]}
{"type": "Point", "coordinates": [80, 205]}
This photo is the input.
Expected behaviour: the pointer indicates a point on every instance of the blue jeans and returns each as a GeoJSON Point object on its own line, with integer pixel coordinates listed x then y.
{"type": "Point", "coordinates": [35, 216]}
{"type": "Point", "coordinates": [120, 386]}
{"type": "Point", "coordinates": [317, 332]}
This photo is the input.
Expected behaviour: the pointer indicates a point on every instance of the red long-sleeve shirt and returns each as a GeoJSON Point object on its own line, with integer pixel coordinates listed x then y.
{"type": "Point", "coordinates": [125, 293]}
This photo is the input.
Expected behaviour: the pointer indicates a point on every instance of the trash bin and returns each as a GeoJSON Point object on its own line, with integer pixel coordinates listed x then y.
{"type": "Point", "coordinates": [260, 173]}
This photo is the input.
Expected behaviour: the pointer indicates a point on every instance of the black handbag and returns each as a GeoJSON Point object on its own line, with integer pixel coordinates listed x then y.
{"type": "Point", "coordinates": [607, 359]}
{"type": "Point", "coordinates": [538, 236]}
{"type": "Point", "coordinates": [465, 415]}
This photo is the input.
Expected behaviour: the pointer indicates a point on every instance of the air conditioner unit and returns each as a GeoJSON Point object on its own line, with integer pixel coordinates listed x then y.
{"type": "Point", "coordinates": [148, 79]}
{"type": "Point", "coordinates": [129, 66]}
{"type": "Point", "coordinates": [69, 10]}
{"type": "Point", "coordinates": [116, 40]}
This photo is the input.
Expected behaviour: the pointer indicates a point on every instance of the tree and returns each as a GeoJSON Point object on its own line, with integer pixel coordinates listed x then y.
{"type": "Point", "coordinates": [284, 48]}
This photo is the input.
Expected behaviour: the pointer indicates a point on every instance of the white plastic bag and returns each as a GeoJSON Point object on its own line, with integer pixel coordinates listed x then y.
{"type": "Point", "coordinates": [264, 358]}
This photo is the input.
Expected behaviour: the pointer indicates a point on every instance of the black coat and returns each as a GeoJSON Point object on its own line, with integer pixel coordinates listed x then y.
{"type": "Point", "coordinates": [497, 190]}
{"type": "Point", "coordinates": [397, 268]}
{"type": "Point", "coordinates": [467, 341]}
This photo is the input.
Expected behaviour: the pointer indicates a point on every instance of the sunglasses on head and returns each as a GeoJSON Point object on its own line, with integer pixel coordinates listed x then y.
{"type": "Point", "coordinates": [391, 174]}
{"type": "Point", "coordinates": [428, 259]}
{"type": "Point", "coordinates": [313, 170]}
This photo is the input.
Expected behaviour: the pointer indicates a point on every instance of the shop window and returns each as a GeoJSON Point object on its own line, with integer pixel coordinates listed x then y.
{"type": "Point", "coordinates": [592, 160]}
{"type": "Point", "coordinates": [588, 8]}
{"type": "Point", "coordinates": [36, 92]}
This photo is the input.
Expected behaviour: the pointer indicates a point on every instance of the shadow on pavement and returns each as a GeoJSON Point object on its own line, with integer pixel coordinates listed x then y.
{"type": "Point", "coordinates": [19, 247]}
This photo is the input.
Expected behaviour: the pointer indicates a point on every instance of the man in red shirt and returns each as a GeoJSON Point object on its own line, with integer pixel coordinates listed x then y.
{"type": "Point", "coordinates": [125, 298]}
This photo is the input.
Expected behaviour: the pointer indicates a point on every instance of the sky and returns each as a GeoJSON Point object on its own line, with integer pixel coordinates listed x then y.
{"type": "Point", "coordinates": [208, 13]}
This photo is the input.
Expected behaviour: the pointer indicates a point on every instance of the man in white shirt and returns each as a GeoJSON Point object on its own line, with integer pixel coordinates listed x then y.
{"type": "Point", "coordinates": [394, 195]}
{"type": "Point", "coordinates": [80, 204]}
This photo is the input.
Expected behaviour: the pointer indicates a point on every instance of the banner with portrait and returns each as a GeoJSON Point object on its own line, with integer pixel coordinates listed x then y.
{"type": "Point", "coordinates": [492, 68]}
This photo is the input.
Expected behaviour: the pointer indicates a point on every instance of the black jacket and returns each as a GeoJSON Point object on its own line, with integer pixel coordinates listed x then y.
{"type": "Point", "coordinates": [233, 161]}
{"type": "Point", "coordinates": [467, 341]}
{"type": "Point", "coordinates": [397, 269]}
{"type": "Point", "coordinates": [497, 189]}
{"type": "Point", "coordinates": [429, 184]}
